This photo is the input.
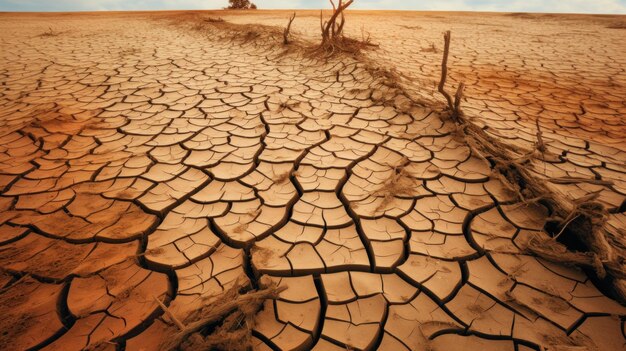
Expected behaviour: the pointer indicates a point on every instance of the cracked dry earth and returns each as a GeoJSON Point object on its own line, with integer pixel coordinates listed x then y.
{"type": "Point", "coordinates": [143, 161]}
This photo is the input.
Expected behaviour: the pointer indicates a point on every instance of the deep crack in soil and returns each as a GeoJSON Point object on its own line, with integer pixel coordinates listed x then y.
{"type": "Point", "coordinates": [157, 168]}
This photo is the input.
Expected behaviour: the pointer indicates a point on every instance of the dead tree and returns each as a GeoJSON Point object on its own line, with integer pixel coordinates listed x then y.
{"type": "Point", "coordinates": [288, 29]}
{"type": "Point", "coordinates": [454, 107]}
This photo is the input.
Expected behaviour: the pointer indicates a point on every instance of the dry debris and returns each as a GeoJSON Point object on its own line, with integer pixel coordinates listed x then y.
{"type": "Point", "coordinates": [512, 165]}
{"type": "Point", "coordinates": [231, 314]}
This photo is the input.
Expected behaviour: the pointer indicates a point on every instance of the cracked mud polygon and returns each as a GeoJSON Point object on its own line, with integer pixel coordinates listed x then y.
{"type": "Point", "coordinates": [150, 162]}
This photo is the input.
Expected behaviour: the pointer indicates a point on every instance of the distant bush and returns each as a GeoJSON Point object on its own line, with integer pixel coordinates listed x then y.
{"type": "Point", "coordinates": [241, 5]}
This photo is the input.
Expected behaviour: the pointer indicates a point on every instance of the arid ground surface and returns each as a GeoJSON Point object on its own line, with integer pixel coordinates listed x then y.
{"type": "Point", "coordinates": [157, 158]}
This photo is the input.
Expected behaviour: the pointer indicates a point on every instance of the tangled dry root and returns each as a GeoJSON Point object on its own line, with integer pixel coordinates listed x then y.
{"type": "Point", "coordinates": [233, 311]}
{"type": "Point", "coordinates": [582, 219]}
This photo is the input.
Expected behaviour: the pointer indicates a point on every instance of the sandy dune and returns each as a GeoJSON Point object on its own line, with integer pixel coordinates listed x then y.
{"type": "Point", "coordinates": [148, 160]}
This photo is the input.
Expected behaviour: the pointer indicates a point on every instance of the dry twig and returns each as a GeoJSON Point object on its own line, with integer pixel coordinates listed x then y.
{"type": "Point", "coordinates": [288, 29]}
{"type": "Point", "coordinates": [454, 107]}
{"type": "Point", "coordinates": [583, 219]}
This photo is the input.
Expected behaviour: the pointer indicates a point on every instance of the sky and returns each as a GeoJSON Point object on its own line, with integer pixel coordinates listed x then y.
{"type": "Point", "coordinates": [559, 6]}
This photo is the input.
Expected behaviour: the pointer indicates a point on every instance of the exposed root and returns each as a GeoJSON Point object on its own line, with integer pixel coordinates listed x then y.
{"type": "Point", "coordinates": [366, 37]}
{"type": "Point", "coordinates": [582, 219]}
{"type": "Point", "coordinates": [410, 27]}
{"type": "Point", "coordinates": [233, 310]}
{"type": "Point", "coordinates": [457, 100]}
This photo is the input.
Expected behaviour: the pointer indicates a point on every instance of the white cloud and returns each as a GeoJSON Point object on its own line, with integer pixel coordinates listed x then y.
{"type": "Point", "coordinates": [560, 6]}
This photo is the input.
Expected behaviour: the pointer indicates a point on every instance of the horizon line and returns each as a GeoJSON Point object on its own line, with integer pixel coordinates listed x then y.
{"type": "Point", "coordinates": [318, 9]}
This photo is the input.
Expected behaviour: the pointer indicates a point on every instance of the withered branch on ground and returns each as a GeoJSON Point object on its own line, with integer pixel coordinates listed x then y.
{"type": "Point", "coordinates": [581, 219]}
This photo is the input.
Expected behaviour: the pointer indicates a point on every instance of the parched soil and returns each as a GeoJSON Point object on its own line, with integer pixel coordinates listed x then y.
{"type": "Point", "coordinates": [160, 168]}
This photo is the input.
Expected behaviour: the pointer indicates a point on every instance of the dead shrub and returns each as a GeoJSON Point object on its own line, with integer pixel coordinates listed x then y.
{"type": "Point", "coordinates": [333, 39]}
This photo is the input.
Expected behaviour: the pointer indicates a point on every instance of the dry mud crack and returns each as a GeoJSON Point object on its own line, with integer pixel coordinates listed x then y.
{"type": "Point", "coordinates": [141, 161]}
